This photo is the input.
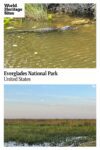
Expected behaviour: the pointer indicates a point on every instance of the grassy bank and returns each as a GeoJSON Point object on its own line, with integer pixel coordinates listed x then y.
{"type": "Point", "coordinates": [36, 12]}
{"type": "Point", "coordinates": [53, 132]}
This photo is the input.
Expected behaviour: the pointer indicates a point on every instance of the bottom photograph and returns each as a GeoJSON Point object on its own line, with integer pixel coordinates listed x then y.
{"type": "Point", "coordinates": [49, 115]}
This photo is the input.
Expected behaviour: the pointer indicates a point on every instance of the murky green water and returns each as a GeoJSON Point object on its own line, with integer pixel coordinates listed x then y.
{"type": "Point", "coordinates": [68, 49]}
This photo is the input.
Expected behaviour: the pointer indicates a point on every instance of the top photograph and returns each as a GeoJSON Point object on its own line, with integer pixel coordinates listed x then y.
{"type": "Point", "coordinates": [51, 35]}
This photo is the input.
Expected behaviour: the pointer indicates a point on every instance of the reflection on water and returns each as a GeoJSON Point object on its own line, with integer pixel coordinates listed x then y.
{"type": "Point", "coordinates": [68, 141]}
{"type": "Point", "coordinates": [68, 49]}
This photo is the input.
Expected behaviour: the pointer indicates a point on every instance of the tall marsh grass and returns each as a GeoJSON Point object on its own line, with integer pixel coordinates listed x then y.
{"type": "Point", "coordinates": [36, 12]}
{"type": "Point", "coordinates": [50, 131]}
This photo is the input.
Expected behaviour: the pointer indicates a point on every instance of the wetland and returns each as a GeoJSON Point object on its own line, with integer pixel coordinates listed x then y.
{"type": "Point", "coordinates": [64, 49]}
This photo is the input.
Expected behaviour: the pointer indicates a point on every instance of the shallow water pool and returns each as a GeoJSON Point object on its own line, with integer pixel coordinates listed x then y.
{"type": "Point", "coordinates": [68, 49]}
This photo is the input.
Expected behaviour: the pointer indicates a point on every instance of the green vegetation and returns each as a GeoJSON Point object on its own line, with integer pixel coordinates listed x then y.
{"type": "Point", "coordinates": [54, 132]}
{"type": "Point", "coordinates": [36, 12]}
{"type": "Point", "coordinates": [7, 21]}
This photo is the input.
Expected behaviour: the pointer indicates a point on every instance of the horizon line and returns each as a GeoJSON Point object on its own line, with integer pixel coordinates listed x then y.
{"type": "Point", "coordinates": [49, 118]}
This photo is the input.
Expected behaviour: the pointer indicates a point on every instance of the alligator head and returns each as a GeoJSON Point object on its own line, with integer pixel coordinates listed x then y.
{"type": "Point", "coordinates": [67, 28]}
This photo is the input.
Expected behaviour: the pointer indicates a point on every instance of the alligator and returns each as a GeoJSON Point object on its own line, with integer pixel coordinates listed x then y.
{"type": "Point", "coordinates": [49, 29]}
{"type": "Point", "coordinates": [43, 30]}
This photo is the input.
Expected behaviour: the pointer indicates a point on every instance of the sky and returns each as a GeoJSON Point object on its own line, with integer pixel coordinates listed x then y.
{"type": "Point", "coordinates": [50, 101]}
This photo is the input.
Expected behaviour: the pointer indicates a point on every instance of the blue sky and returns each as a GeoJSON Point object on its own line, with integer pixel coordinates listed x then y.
{"type": "Point", "coordinates": [50, 101]}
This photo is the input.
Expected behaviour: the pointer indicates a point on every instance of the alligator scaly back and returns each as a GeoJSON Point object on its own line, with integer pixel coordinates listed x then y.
{"type": "Point", "coordinates": [43, 30]}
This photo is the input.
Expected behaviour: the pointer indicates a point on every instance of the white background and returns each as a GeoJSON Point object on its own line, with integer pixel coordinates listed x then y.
{"type": "Point", "coordinates": [66, 76]}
